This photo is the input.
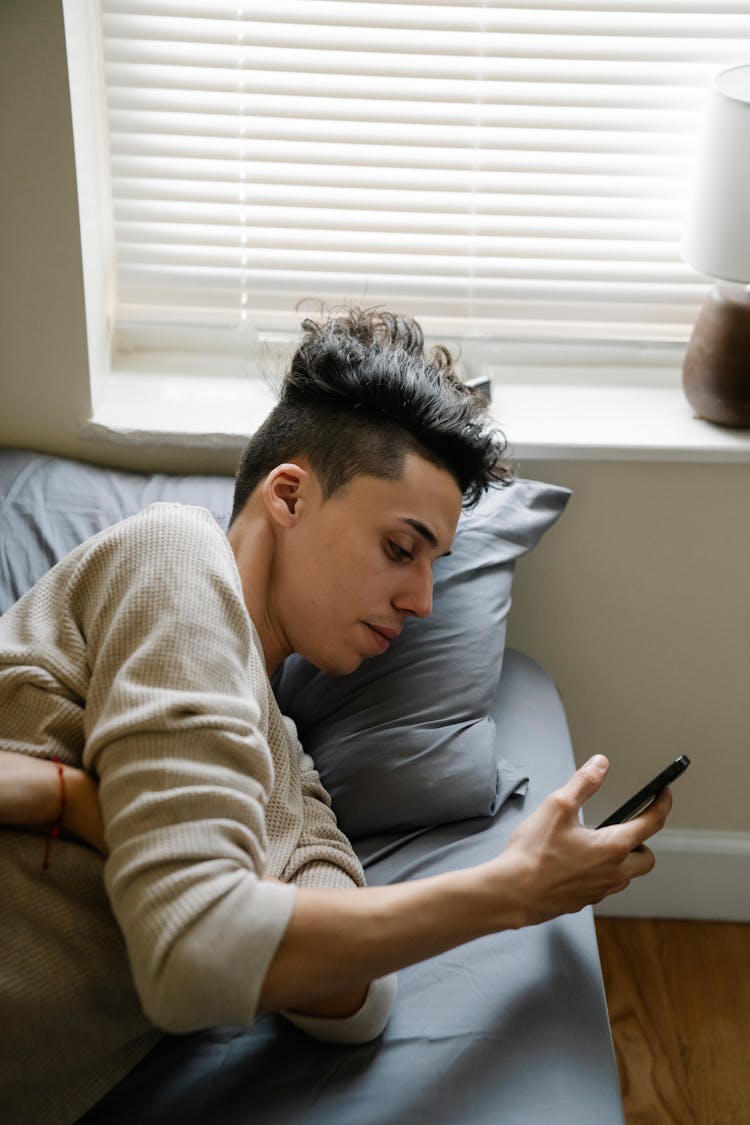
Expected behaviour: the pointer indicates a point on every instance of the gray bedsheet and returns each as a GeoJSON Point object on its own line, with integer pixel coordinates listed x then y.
{"type": "Point", "coordinates": [508, 1029]}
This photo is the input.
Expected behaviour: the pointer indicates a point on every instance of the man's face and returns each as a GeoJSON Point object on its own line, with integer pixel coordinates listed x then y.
{"type": "Point", "coordinates": [360, 563]}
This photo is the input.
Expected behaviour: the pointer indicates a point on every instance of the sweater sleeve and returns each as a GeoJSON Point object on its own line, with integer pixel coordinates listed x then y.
{"type": "Point", "coordinates": [362, 1027]}
{"type": "Point", "coordinates": [324, 856]}
{"type": "Point", "coordinates": [172, 731]}
{"type": "Point", "coordinates": [340, 868]}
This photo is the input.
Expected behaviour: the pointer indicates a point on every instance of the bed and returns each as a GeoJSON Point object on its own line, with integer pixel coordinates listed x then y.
{"type": "Point", "coordinates": [432, 758]}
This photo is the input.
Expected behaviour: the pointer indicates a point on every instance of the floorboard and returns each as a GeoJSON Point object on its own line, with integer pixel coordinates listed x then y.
{"type": "Point", "coordinates": [678, 995]}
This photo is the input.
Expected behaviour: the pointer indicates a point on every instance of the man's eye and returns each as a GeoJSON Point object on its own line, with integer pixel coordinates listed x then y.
{"type": "Point", "coordinates": [397, 553]}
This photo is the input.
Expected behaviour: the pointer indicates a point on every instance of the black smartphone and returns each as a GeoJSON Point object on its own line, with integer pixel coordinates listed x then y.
{"type": "Point", "coordinates": [646, 796]}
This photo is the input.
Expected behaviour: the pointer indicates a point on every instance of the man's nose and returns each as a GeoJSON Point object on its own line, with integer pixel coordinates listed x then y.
{"type": "Point", "coordinates": [416, 596]}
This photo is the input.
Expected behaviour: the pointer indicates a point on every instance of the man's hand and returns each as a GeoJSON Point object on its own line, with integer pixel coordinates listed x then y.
{"type": "Point", "coordinates": [29, 790]}
{"type": "Point", "coordinates": [30, 795]}
{"type": "Point", "coordinates": [558, 867]}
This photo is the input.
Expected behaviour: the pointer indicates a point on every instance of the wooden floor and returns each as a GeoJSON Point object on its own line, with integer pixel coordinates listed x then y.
{"type": "Point", "coordinates": [678, 995]}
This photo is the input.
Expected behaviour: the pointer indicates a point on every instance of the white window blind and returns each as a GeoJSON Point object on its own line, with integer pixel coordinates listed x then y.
{"type": "Point", "coordinates": [514, 171]}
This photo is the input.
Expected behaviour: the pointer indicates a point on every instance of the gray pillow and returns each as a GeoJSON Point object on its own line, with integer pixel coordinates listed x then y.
{"type": "Point", "coordinates": [48, 505]}
{"type": "Point", "coordinates": [405, 741]}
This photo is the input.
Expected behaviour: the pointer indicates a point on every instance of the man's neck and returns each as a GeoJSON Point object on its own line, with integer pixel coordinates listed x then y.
{"type": "Point", "coordinates": [252, 544]}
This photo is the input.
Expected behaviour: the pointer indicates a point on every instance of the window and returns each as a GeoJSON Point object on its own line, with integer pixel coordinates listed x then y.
{"type": "Point", "coordinates": [501, 172]}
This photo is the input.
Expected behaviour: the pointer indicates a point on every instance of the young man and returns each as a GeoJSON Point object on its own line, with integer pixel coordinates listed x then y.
{"type": "Point", "coordinates": [144, 657]}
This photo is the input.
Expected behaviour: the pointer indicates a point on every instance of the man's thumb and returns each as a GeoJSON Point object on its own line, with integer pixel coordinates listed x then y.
{"type": "Point", "coordinates": [586, 780]}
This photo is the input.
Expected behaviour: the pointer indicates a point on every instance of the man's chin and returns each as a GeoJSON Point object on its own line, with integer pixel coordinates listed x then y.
{"type": "Point", "coordinates": [344, 666]}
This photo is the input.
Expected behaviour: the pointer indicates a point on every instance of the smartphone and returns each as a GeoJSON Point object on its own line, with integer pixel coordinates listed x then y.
{"type": "Point", "coordinates": [646, 796]}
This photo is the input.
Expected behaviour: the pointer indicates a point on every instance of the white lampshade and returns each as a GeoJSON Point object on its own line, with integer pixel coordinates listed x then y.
{"type": "Point", "coordinates": [717, 236]}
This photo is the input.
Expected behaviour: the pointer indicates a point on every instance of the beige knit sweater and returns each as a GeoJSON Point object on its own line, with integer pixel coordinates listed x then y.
{"type": "Point", "coordinates": [136, 658]}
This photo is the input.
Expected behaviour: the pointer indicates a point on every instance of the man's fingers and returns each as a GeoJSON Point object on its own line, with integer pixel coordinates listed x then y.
{"type": "Point", "coordinates": [651, 821]}
{"type": "Point", "coordinates": [639, 862]}
{"type": "Point", "coordinates": [586, 780]}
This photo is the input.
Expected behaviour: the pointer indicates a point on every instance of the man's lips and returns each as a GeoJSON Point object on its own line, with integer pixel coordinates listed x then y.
{"type": "Point", "coordinates": [389, 634]}
{"type": "Point", "coordinates": [383, 635]}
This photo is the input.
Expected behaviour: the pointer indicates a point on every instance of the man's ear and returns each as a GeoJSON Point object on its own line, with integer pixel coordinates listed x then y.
{"type": "Point", "coordinates": [285, 493]}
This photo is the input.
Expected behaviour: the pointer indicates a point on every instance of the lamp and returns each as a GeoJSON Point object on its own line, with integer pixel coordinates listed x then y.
{"type": "Point", "coordinates": [716, 371]}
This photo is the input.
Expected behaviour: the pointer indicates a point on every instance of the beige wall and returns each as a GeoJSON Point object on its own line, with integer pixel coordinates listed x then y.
{"type": "Point", "coordinates": [44, 384]}
{"type": "Point", "coordinates": [42, 332]}
{"type": "Point", "coordinates": [638, 601]}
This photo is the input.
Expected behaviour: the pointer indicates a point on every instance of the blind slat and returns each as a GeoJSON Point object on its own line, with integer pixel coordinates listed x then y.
{"type": "Point", "coordinates": [380, 99]}
{"type": "Point", "coordinates": [295, 117]}
{"type": "Point", "coordinates": [192, 235]}
{"type": "Point", "coordinates": [449, 52]}
{"type": "Point", "coordinates": [532, 173]}
{"type": "Point", "coordinates": [344, 22]}
{"type": "Point", "coordinates": [408, 204]}
{"type": "Point", "coordinates": [458, 77]}
{"type": "Point", "coordinates": [405, 200]}
{"type": "Point", "coordinates": [439, 10]}
{"type": "Point", "coordinates": [177, 218]}
{"type": "Point", "coordinates": [318, 283]}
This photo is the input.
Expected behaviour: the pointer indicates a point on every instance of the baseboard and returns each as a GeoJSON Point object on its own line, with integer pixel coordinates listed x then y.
{"type": "Point", "coordinates": [698, 874]}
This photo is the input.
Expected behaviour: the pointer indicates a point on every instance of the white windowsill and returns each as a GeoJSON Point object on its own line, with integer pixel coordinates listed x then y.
{"type": "Point", "coordinates": [217, 412]}
{"type": "Point", "coordinates": [610, 423]}
{"type": "Point", "coordinates": [548, 412]}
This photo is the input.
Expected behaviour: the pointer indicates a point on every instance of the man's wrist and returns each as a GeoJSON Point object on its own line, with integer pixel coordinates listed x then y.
{"type": "Point", "coordinates": [499, 893]}
{"type": "Point", "coordinates": [82, 812]}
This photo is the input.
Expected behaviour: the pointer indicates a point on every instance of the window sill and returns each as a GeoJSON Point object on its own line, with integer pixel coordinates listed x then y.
{"type": "Point", "coordinates": [610, 423]}
{"type": "Point", "coordinates": [542, 420]}
{"type": "Point", "coordinates": [218, 412]}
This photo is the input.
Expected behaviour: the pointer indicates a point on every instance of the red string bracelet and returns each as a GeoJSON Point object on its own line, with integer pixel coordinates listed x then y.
{"type": "Point", "coordinates": [54, 831]}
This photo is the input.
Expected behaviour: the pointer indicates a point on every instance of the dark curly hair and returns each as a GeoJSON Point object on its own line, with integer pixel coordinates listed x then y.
{"type": "Point", "coordinates": [360, 394]}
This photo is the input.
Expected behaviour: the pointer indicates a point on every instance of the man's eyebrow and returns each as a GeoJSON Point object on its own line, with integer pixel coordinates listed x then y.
{"type": "Point", "coordinates": [425, 532]}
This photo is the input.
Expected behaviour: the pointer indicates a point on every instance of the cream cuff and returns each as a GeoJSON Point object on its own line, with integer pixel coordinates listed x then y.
{"type": "Point", "coordinates": [364, 1025]}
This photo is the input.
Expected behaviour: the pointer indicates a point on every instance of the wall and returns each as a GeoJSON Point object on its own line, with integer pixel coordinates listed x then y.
{"type": "Point", "coordinates": [44, 360]}
{"type": "Point", "coordinates": [44, 363]}
{"type": "Point", "coordinates": [638, 602]}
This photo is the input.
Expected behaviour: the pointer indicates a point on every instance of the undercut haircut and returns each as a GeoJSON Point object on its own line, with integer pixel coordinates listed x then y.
{"type": "Point", "coordinates": [359, 396]}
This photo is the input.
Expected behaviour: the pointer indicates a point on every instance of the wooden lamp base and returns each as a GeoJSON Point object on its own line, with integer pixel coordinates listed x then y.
{"type": "Point", "coordinates": [716, 371]}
